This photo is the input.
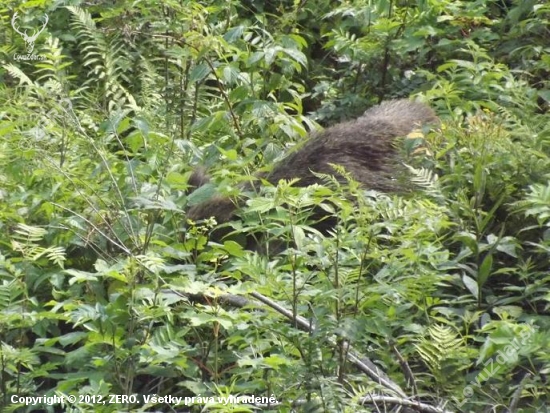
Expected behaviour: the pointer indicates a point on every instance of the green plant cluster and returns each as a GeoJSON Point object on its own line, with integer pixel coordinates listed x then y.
{"type": "Point", "coordinates": [436, 299]}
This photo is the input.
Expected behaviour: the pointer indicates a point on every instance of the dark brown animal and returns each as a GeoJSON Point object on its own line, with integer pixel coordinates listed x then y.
{"type": "Point", "coordinates": [198, 178]}
{"type": "Point", "coordinates": [364, 147]}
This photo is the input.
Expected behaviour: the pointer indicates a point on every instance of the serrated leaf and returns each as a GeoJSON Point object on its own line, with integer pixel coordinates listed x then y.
{"type": "Point", "coordinates": [233, 248]}
{"type": "Point", "coordinates": [176, 180]}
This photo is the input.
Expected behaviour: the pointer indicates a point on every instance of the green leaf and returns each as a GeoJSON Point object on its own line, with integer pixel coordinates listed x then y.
{"type": "Point", "coordinates": [199, 72]}
{"type": "Point", "coordinates": [233, 34]}
{"type": "Point", "coordinates": [177, 180]}
{"type": "Point", "coordinates": [233, 249]}
{"type": "Point", "coordinates": [485, 269]}
{"type": "Point", "coordinates": [471, 285]}
{"type": "Point", "coordinates": [201, 194]}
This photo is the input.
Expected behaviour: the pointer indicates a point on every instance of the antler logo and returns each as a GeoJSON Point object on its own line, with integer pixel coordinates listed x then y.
{"type": "Point", "coordinates": [29, 40]}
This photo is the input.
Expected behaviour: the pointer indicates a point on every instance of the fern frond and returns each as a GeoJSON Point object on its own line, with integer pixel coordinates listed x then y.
{"type": "Point", "coordinates": [53, 67]}
{"type": "Point", "coordinates": [29, 233]}
{"type": "Point", "coordinates": [107, 59]}
{"type": "Point", "coordinates": [25, 240]}
{"type": "Point", "coordinates": [56, 255]}
{"type": "Point", "coordinates": [17, 73]}
{"type": "Point", "coordinates": [439, 345]}
{"type": "Point", "coordinates": [423, 177]}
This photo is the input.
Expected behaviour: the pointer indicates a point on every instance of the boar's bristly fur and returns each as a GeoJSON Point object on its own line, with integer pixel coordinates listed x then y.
{"type": "Point", "coordinates": [364, 147]}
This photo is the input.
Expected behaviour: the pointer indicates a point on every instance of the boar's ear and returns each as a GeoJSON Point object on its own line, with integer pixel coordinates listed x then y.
{"type": "Point", "coordinates": [198, 178]}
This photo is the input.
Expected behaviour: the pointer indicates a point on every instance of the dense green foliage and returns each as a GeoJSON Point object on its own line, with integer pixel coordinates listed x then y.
{"type": "Point", "coordinates": [107, 288]}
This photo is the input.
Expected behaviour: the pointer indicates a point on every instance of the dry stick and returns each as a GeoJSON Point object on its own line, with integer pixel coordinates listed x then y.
{"type": "Point", "coordinates": [423, 407]}
{"type": "Point", "coordinates": [364, 364]}
{"type": "Point", "coordinates": [403, 402]}
{"type": "Point", "coordinates": [406, 369]}
{"type": "Point", "coordinates": [517, 394]}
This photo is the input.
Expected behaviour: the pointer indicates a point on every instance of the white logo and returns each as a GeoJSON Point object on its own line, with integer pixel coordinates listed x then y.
{"type": "Point", "coordinates": [29, 40]}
